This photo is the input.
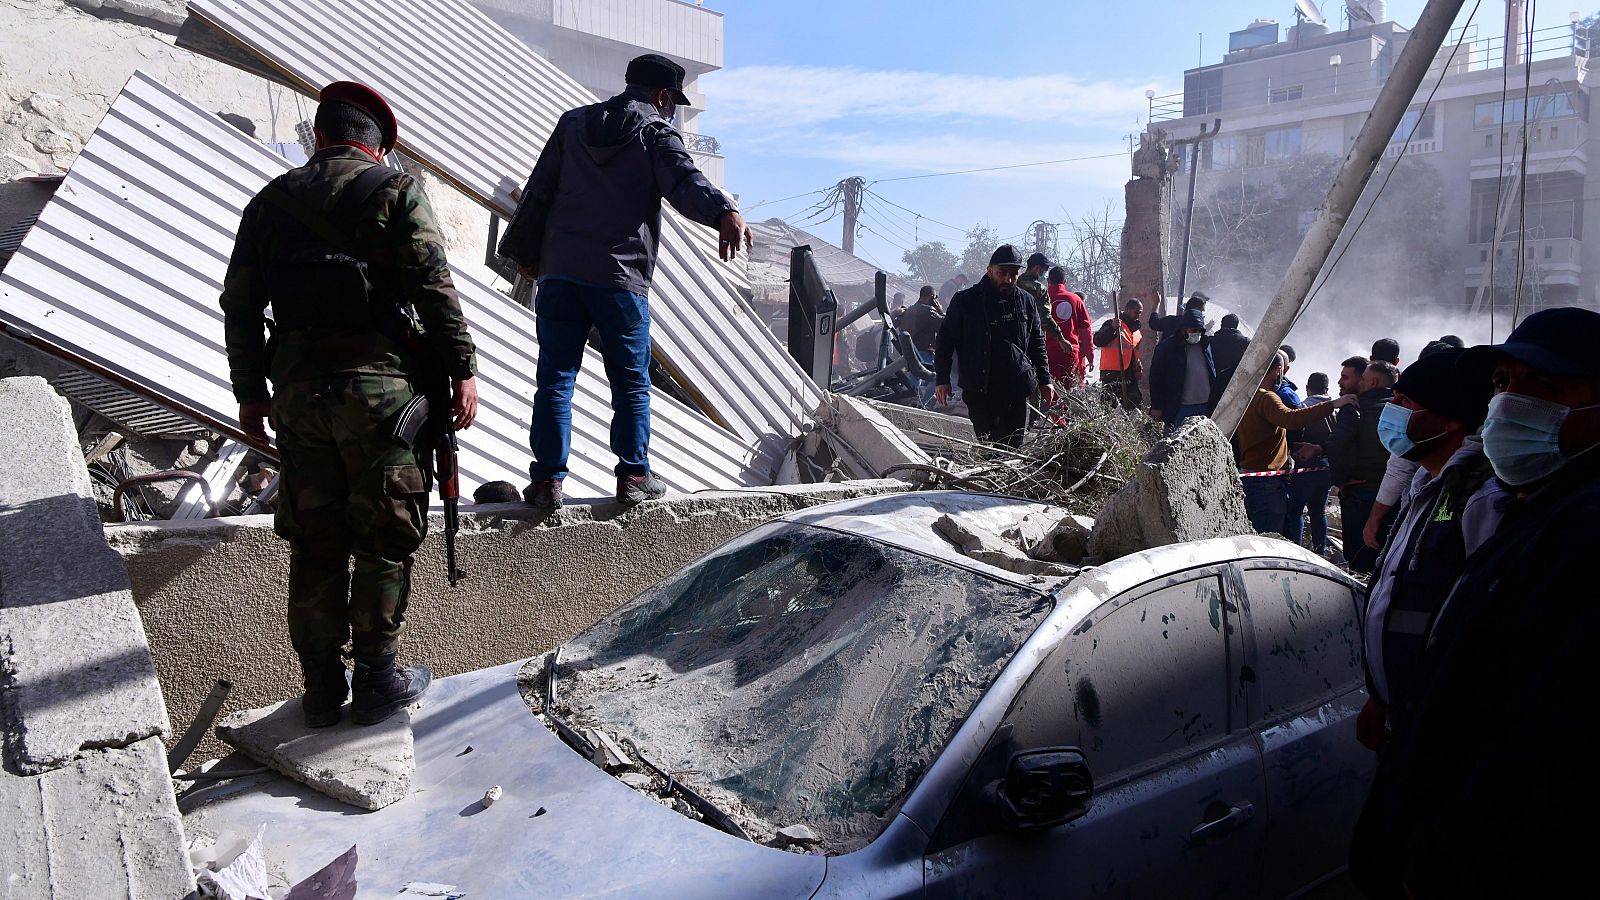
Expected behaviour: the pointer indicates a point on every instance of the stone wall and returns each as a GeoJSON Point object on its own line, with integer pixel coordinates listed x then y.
{"type": "Point", "coordinates": [211, 593]}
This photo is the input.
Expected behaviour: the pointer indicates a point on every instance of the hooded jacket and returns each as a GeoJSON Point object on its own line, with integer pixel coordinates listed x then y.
{"type": "Point", "coordinates": [591, 210]}
{"type": "Point", "coordinates": [1169, 367]}
{"type": "Point", "coordinates": [1354, 450]}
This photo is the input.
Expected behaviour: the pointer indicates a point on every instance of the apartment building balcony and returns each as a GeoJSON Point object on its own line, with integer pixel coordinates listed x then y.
{"type": "Point", "coordinates": [1548, 261]}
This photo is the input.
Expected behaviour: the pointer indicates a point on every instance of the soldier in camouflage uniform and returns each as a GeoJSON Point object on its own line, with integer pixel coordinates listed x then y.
{"type": "Point", "coordinates": [348, 261]}
{"type": "Point", "coordinates": [1032, 280]}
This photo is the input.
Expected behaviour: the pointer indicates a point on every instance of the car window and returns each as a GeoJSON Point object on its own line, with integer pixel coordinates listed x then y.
{"type": "Point", "coordinates": [1308, 638]}
{"type": "Point", "coordinates": [1143, 681]}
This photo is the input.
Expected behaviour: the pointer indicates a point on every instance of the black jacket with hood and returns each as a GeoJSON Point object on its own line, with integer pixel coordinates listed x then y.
{"type": "Point", "coordinates": [591, 211]}
{"type": "Point", "coordinates": [999, 341]}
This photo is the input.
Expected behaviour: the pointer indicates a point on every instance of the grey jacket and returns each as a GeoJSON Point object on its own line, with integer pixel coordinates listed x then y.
{"type": "Point", "coordinates": [591, 211]}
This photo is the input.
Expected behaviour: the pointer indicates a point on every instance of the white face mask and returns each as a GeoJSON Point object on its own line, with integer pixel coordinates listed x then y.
{"type": "Point", "coordinates": [1192, 338]}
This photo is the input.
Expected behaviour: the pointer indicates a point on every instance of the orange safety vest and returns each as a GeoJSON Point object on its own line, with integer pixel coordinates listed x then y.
{"type": "Point", "coordinates": [1120, 355]}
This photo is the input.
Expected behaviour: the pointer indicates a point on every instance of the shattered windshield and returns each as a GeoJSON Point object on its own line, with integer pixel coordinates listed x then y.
{"type": "Point", "coordinates": [798, 676]}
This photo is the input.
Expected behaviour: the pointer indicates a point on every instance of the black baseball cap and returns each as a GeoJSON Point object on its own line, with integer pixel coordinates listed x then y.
{"type": "Point", "coordinates": [653, 70]}
{"type": "Point", "coordinates": [1006, 255]}
{"type": "Point", "coordinates": [1559, 341]}
{"type": "Point", "coordinates": [1039, 259]}
{"type": "Point", "coordinates": [1435, 382]}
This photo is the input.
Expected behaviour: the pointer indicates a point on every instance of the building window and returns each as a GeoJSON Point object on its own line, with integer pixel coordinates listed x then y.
{"type": "Point", "coordinates": [1554, 130]}
{"type": "Point", "coordinates": [1282, 144]}
{"type": "Point", "coordinates": [1551, 210]}
{"type": "Point", "coordinates": [1486, 114]}
{"type": "Point", "coordinates": [1422, 120]}
{"type": "Point", "coordinates": [1286, 94]}
{"type": "Point", "coordinates": [1488, 142]}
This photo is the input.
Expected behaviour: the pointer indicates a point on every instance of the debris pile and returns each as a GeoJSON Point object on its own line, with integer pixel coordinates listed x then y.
{"type": "Point", "coordinates": [1090, 449]}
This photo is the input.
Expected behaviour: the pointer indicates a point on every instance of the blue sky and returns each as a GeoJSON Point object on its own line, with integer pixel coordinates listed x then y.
{"type": "Point", "coordinates": [816, 91]}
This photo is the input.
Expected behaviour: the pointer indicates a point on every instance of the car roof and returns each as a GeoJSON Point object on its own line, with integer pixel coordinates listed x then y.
{"type": "Point", "coordinates": [906, 520]}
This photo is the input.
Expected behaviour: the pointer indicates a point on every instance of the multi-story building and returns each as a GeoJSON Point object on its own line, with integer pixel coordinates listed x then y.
{"type": "Point", "coordinates": [1280, 98]}
{"type": "Point", "coordinates": [592, 41]}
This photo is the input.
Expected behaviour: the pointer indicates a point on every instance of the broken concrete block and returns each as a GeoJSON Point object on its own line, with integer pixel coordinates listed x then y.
{"type": "Point", "coordinates": [636, 780]}
{"type": "Point", "coordinates": [1187, 489]}
{"type": "Point", "coordinates": [1067, 542]}
{"type": "Point", "coordinates": [77, 668]}
{"type": "Point", "coordinates": [877, 444]}
{"type": "Point", "coordinates": [990, 548]}
{"type": "Point", "coordinates": [493, 795]}
{"type": "Point", "coordinates": [369, 766]}
{"type": "Point", "coordinates": [608, 754]}
{"type": "Point", "coordinates": [798, 835]}
{"type": "Point", "coordinates": [104, 825]}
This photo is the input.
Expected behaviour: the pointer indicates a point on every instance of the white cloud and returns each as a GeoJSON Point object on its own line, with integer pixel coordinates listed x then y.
{"type": "Point", "coordinates": [811, 95]}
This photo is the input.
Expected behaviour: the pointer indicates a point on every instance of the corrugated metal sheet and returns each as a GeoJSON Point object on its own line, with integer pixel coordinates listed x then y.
{"type": "Point", "coordinates": [476, 105]}
{"type": "Point", "coordinates": [124, 268]}
{"type": "Point", "coordinates": [130, 412]}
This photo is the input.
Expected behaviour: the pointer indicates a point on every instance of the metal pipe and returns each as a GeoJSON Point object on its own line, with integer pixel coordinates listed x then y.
{"type": "Point", "coordinates": [183, 475]}
{"type": "Point", "coordinates": [1370, 144]}
{"type": "Point", "coordinates": [1188, 217]}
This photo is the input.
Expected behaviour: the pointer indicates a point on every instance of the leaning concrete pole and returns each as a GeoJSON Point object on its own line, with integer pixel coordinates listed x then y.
{"type": "Point", "coordinates": [1418, 55]}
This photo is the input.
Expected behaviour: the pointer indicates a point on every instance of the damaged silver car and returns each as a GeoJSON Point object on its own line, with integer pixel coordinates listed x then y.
{"type": "Point", "coordinates": [871, 713]}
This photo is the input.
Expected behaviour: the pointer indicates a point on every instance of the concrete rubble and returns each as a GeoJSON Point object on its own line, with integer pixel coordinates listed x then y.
{"type": "Point", "coordinates": [1187, 489]}
{"type": "Point", "coordinates": [369, 766]}
{"type": "Point", "coordinates": [995, 550]}
{"type": "Point", "coordinates": [86, 805]}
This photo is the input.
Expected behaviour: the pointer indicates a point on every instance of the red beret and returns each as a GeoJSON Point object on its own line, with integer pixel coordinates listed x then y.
{"type": "Point", "coordinates": [367, 99]}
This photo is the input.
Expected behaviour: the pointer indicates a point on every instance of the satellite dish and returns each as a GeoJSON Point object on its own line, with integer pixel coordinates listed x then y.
{"type": "Point", "coordinates": [1358, 11]}
{"type": "Point", "coordinates": [1309, 12]}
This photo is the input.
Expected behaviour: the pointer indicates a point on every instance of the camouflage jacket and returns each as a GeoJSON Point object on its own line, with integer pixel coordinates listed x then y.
{"type": "Point", "coordinates": [1041, 298]}
{"type": "Point", "coordinates": [397, 238]}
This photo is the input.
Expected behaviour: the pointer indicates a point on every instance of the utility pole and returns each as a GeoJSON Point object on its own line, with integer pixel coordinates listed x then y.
{"type": "Point", "coordinates": [1044, 238]}
{"type": "Point", "coordinates": [1290, 301]}
{"type": "Point", "coordinates": [1188, 216]}
{"type": "Point", "coordinates": [851, 190]}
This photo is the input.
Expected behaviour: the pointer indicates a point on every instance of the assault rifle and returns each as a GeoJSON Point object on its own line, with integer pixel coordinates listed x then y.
{"type": "Point", "coordinates": [430, 410]}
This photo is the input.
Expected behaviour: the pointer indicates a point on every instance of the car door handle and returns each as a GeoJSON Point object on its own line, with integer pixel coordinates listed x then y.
{"type": "Point", "coordinates": [1234, 818]}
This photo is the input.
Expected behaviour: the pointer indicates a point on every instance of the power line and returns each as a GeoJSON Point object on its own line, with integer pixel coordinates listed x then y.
{"type": "Point", "coordinates": [1522, 177]}
{"type": "Point", "coordinates": [1047, 162]}
{"type": "Point", "coordinates": [1328, 272]}
{"type": "Point", "coordinates": [913, 212]}
{"type": "Point", "coordinates": [783, 199]}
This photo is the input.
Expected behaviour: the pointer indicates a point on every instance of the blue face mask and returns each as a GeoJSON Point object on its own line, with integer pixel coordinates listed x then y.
{"type": "Point", "coordinates": [1394, 430]}
{"type": "Point", "coordinates": [1522, 437]}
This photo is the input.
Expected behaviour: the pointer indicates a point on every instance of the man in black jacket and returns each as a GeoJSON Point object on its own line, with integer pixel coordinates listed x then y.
{"type": "Point", "coordinates": [994, 328]}
{"type": "Point", "coordinates": [1228, 344]}
{"type": "Point", "coordinates": [587, 227]}
{"type": "Point", "coordinates": [1359, 459]}
{"type": "Point", "coordinates": [1486, 782]}
{"type": "Point", "coordinates": [1182, 373]}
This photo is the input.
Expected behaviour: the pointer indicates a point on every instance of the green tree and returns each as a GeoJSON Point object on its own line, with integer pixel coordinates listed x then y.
{"type": "Point", "coordinates": [931, 262]}
{"type": "Point", "coordinates": [981, 241]}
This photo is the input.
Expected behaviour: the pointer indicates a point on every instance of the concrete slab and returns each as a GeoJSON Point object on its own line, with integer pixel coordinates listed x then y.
{"type": "Point", "coordinates": [1067, 542]}
{"type": "Point", "coordinates": [988, 547]}
{"type": "Point", "coordinates": [1187, 489]}
{"type": "Point", "coordinates": [370, 766]}
{"type": "Point", "coordinates": [75, 670]}
{"type": "Point", "coordinates": [104, 826]}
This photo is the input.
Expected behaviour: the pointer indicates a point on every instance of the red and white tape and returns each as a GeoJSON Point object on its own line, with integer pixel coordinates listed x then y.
{"type": "Point", "coordinates": [1283, 472]}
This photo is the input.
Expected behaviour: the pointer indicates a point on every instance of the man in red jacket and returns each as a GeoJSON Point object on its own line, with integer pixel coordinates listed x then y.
{"type": "Point", "coordinates": [1069, 363]}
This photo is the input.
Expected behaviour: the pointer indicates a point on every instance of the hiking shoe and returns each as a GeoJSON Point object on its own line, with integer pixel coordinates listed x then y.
{"type": "Point", "coordinates": [543, 495]}
{"type": "Point", "coordinates": [638, 488]}
{"type": "Point", "coordinates": [326, 690]}
{"type": "Point", "coordinates": [380, 688]}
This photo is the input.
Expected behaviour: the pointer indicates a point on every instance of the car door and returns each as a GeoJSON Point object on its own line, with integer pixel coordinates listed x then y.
{"type": "Point", "coordinates": [1304, 642]}
{"type": "Point", "coordinates": [1144, 687]}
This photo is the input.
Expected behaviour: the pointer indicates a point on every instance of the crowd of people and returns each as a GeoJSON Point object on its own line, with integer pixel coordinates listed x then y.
{"type": "Point", "coordinates": [1466, 488]}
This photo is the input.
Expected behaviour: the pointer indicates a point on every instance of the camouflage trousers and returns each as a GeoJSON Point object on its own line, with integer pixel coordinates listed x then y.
{"type": "Point", "coordinates": [350, 490]}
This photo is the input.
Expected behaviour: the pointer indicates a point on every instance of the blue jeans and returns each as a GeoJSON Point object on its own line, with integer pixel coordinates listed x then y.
{"type": "Point", "coordinates": [1308, 495]}
{"type": "Point", "coordinates": [925, 388]}
{"type": "Point", "coordinates": [566, 311]}
{"type": "Point", "coordinates": [1266, 500]}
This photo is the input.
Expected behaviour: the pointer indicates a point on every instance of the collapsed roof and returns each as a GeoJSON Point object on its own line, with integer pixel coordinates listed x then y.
{"type": "Point", "coordinates": [476, 106]}
{"type": "Point", "coordinates": [122, 272]}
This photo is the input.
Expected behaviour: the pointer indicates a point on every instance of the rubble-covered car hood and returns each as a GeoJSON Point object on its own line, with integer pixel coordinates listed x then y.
{"type": "Point", "coordinates": [595, 837]}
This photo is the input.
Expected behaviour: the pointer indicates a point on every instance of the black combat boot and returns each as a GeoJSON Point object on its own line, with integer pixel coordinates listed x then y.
{"type": "Point", "coordinates": [380, 688]}
{"type": "Point", "coordinates": [326, 690]}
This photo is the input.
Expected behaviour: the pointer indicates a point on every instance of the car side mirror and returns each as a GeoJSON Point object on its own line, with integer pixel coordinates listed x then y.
{"type": "Point", "coordinates": [1042, 789]}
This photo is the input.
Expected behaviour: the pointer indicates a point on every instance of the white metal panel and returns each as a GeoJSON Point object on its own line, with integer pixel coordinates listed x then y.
{"type": "Point", "coordinates": [672, 27]}
{"type": "Point", "coordinates": [125, 265]}
{"type": "Point", "coordinates": [477, 105]}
